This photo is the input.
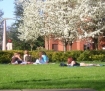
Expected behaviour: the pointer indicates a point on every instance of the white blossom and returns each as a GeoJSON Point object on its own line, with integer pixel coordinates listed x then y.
{"type": "Point", "coordinates": [92, 15]}
{"type": "Point", "coordinates": [67, 20]}
{"type": "Point", "coordinates": [30, 27]}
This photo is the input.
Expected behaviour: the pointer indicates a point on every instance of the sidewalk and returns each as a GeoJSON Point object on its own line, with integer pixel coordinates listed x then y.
{"type": "Point", "coordinates": [51, 90]}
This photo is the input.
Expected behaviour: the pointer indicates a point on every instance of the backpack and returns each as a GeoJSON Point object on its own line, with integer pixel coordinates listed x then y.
{"type": "Point", "coordinates": [28, 58]}
{"type": "Point", "coordinates": [63, 64]}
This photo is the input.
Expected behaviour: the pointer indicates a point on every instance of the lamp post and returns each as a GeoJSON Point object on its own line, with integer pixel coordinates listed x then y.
{"type": "Point", "coordinates": [4, 34]}
{"type": "Point", "coordinates": [4, 37]}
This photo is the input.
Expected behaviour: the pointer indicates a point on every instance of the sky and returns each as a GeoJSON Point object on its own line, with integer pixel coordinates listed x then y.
{"type": "Point", "coordinates": [7, 6]}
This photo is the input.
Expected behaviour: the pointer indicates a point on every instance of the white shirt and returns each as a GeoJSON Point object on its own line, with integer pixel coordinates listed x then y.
{"type": "Point", "coordinates": [103, 48]}
{"type": "Point", "coordinates": [9, 46]}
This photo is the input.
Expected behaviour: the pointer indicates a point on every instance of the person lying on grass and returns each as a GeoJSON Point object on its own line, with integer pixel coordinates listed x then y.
{"type": "Point", "coordinates": [72, 62]}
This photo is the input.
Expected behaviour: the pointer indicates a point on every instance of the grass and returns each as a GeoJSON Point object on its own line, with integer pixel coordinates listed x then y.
{"type": "Point", "coordinates": [51, 76]}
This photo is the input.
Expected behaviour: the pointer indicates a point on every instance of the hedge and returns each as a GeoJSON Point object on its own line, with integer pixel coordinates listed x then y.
{"type": "Point", "coordinates": [58, 56]}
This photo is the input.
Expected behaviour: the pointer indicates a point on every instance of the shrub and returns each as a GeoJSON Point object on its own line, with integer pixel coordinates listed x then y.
{"type": "Point", "coordinates": [5, 56]}
{"type": "Point", "coordinates": [84, 56]}
{"type": "Point", "coordinates": [56, 57]}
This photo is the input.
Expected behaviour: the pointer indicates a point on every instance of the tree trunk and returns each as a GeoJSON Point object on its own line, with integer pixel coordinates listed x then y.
{"type": "Point", "coordinates": [31, 45]}
{"type": "Point", "coordinates": [65, 46]}
{"type": "Point", "coordinates": [70, 46]}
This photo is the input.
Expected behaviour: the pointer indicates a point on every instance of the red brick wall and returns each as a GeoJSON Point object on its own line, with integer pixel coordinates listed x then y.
{"type": "Point", "coordinates": [52, 44]}
{"type": "Point", "coordinates": [49, 43]}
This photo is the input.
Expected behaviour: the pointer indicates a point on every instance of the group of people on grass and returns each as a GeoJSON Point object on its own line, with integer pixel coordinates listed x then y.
{"type": "Point", "coordinates": [43, 59]}
{"type": "Point", "coordinates": [27, 58]}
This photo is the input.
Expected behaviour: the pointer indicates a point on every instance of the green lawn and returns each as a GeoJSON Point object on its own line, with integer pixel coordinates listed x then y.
{"type": "Point", "coordinates": [51, 76]}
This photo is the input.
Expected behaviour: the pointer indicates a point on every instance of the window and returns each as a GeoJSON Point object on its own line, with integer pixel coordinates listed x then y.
{"type": "Point", "coordinates": [55, 47]}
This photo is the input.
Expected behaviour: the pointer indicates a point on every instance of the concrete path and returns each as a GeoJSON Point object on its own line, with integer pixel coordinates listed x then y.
{"type": "Point", "coordinates": [51, 90]}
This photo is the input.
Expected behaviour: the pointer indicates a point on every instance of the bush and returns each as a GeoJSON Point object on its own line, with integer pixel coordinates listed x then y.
{"type": "Point", "coordinates": [5, 56]}
{"type": "Point", "coordinates": [84, 56]}
{"type": "Point", "coordinates": [57, 57]}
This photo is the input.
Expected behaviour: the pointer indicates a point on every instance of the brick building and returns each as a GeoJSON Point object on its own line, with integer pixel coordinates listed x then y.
{"type": "Point", "coordinates": [57, 45]}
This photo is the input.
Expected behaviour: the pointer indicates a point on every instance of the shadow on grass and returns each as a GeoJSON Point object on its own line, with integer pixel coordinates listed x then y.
{"type": "Point", "coordinates": [40, 80]}
{"type": "Point", "coordinates": [59, 84]}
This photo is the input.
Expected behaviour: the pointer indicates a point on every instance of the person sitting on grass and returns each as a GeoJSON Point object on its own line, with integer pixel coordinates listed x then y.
{"type": "Point", "coordinates": [39, 60]}
{"type": "Point", "coordinates": [16, 59]}
{"type": "Point", "coordinates": [43, 59]}
{"type": "Point", "coordinates": [27, 59]}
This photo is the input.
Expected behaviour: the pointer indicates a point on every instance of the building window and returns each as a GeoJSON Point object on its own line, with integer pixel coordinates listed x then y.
{"type": "Point", "coordinates": [55, 47]}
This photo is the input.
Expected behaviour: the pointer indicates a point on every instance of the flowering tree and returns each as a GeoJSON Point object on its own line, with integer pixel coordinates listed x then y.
{"type": "Point", "coordinates": [91, 17]}
{"type": "Point", "coordinates": [29, 29]}
{"type": "Point", "coordinates": [58, 20]}
{"type": "Point", "coordinates": [66, 20]}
